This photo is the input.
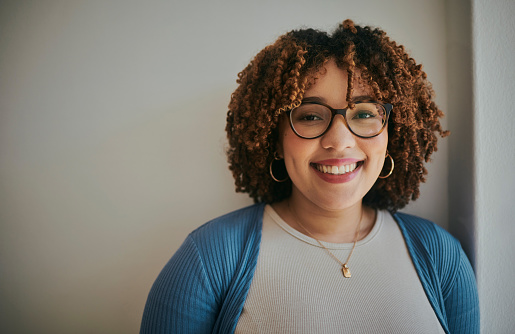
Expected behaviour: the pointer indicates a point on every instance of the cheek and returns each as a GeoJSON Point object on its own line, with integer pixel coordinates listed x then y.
{"type": "Point", "coordinates": [289, 142]}
{"type": "Point", "coordinates": [297, 153]}
{"type": "Point", "coordinates": [293, 149]}
{"type": "Point", "coordinates": [377, 150]}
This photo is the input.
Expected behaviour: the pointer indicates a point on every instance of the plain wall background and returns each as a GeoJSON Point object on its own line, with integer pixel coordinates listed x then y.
{"type": "Point", "coordinates": [493, 27]}
{"type": "Point", "coordinates": [112, 139]}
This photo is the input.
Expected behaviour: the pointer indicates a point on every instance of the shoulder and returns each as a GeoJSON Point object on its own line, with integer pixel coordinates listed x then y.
{"type": "Point", "coordinates": [445, 272]}
{"type": "Point", "coordinates": [434, 251]}
{"type": "Point", "coordinates": [425, 232]}
{"type": "Point", "coordinates": [229, 241]}
{"type": "Point", "coordinates": [236, 224]}
{"type": "Point", "coordinates": [224, 246]}
{"type": "Point", "coordinates": [189, 291]}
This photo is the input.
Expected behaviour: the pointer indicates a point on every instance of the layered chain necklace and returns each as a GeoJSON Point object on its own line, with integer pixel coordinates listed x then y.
{"type": "Point", "coordinates": [345, 267]}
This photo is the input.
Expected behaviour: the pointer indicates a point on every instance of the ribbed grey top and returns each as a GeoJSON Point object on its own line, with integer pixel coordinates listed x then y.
{"type": "Point", "coordinates": [298, 288]}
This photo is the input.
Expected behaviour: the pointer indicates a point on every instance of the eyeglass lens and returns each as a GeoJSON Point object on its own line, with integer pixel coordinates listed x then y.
{"type": "Point", "coordinates": [311, 120]}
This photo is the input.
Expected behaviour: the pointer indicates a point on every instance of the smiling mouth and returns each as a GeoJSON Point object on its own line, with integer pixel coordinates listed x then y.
{"type": "Point", "coordinates": [336, 170]}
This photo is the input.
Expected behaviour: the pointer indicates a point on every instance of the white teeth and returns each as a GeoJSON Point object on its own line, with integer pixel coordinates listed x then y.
{"type": "Point", "coordinates": [336, 170]}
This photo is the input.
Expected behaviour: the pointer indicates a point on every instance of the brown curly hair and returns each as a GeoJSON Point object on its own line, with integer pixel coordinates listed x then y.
{"type": "Point", "coordinates": [276, 79]}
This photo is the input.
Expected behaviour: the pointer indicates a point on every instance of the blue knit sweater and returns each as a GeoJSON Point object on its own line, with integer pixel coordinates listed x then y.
{"type": "Point", "coordinates": [203, 287]}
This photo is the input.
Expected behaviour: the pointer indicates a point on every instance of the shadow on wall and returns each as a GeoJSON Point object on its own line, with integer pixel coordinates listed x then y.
{"type": "Point", "coordinates": [460, 116]}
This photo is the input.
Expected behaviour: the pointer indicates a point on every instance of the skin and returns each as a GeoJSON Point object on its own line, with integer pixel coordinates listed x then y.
{"type": "Point", "coordinates": [330, 211]}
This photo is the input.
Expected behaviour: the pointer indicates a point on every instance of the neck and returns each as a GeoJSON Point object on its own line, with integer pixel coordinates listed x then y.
{"type": "Point", "coordinates": [337, 226]}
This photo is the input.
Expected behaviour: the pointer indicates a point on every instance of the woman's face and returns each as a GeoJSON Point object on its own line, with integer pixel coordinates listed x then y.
{"type": "Point", "coordinates": [336, 150]}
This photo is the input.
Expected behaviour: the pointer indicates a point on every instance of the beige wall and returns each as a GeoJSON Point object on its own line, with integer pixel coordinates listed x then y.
{"type": "Point", "coordinates": [112, 137]}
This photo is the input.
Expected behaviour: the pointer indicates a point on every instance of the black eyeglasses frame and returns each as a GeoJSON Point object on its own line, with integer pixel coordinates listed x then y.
{"type": "Point", "coordinates": [386, 106]}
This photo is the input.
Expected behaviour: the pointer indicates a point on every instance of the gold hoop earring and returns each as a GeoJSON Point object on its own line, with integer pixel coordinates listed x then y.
{"type": "Point", "coordinates": [272, 173]}
{"type": "Point", "coordinates": [391, 169]}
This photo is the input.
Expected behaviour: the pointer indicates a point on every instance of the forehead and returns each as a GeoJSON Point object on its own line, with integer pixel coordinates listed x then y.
{"type": "Point", "coordinates": [330, 83]}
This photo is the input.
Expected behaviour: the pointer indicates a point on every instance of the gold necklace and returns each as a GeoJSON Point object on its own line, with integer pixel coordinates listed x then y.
{"type": "Point", "coordinates": [345, 268]}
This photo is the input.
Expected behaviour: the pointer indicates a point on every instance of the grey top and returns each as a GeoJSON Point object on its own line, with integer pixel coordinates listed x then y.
{"type": "Point", "coordinates": [299, 288]}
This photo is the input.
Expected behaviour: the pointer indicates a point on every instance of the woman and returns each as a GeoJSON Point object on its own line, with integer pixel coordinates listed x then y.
{"type": "Point", "coordinates": [329, 135]}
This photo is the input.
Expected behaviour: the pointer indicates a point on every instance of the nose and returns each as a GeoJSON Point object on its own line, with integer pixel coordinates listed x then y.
{"type": "Point", "coordinates": [338, 137]}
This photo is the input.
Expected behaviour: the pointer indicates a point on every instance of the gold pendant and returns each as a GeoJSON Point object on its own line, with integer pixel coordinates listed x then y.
{"type": "Point", "coordinates": [346, 271]}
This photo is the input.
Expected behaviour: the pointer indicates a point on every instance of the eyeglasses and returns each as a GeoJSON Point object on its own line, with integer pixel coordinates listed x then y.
{"type": "Point", "coordinates": [311, 120]}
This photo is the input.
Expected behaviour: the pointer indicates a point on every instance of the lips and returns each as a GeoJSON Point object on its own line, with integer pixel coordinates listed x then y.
{"type": "Point", "coordinates": [337, 170]}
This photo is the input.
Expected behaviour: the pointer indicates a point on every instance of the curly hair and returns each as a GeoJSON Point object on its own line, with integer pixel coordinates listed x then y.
{"type": "Point", "coordinates": [276, 79]}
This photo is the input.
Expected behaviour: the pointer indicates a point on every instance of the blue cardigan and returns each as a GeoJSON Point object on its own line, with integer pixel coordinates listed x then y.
{"type": "Point", "coordinates": [203, 287]}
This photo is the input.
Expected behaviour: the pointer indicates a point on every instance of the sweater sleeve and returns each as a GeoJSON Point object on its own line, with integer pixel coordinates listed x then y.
{"type": "Point", "coordinates": [181, 299]}
{"type": "Point", "coordinates": [445, 273]}
{"type": "Point", "coordinates": [461, 300]}
{"type": "Point", "coordinates": [203, 287]}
